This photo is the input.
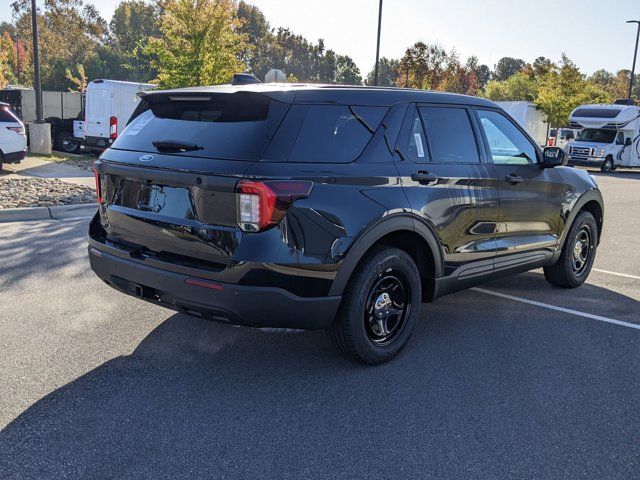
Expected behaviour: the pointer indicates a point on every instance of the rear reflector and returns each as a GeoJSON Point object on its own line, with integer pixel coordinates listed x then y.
{"type": "Point", "coordinates": [98, 186]}
{"type": "Point", "coordinates": [196, 282]}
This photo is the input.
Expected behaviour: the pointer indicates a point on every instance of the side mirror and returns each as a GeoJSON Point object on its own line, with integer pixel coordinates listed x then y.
{"type": "Point", "coordinates": [627, 142]}
{"type": "Point", "coordinates": [553, 157]}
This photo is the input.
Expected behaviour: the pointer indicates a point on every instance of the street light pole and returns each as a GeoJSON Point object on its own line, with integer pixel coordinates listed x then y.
{"type": "Point", "coordinates": [36, 64]}
{"type": "Point", "coordinates": [375, 76]}
{"type": "Point", "coordinates": [635, 55]}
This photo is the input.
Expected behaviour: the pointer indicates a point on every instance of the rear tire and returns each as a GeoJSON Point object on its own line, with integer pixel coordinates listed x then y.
{"type": "Point", "coordinates": [379, 308]}
{"type": "Point", "coordinates": [578, 254]}
{"type": "Point", "coordinates": [607, 166]}
{"type": "Point", "coordinates": [67, 143]}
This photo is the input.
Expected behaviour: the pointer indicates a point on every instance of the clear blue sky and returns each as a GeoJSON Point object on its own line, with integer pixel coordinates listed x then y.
{"type": "Point", "coordinates": [592, 32]}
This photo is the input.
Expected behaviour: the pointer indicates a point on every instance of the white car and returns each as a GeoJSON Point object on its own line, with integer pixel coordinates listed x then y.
{"type": "Point", "coordinates": [13, 141]}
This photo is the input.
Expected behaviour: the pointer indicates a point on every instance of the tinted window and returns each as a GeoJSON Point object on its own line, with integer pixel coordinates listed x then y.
{"type": "Point", "coordinates": [449, 135]}
{"type": "Point", "coordinates": [335, 133]}
{"type": "Point", "coordinates": [229, 126]}
{"type": "Point", "coordinates": [416, 143]}
{"type": "Point", "coordinates": [7, 116]}
{"type": "Point", "coordinates": [507, 143]}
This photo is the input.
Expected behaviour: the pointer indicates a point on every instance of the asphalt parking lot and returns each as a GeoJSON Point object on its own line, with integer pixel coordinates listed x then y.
{"type": "Point", "coordinates": [513, 380]}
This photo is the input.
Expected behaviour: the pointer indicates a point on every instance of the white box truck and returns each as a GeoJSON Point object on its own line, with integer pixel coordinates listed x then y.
{"type": "Point", "coordinates": [530, 117]}
{"type": "Point", "coordinates": [109, 104]}
{"type": "Point", "coordinates": [610, 136]}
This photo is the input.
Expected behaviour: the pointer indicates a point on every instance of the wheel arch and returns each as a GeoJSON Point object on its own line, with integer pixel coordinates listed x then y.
{"type": "Point", "coordinates": [591, 201]}
{"type": "Point", "coordinates": [402, 231]}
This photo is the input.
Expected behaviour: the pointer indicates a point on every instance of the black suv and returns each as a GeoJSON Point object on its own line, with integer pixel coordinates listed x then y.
{"type": "Point", "coordinates": [325, 207]}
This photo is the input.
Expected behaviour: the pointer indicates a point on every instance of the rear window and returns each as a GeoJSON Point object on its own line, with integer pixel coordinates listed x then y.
{"type": "Point", "coordinates": [7, 115]}
{"type": "Point", "coordinates": [230, 126]}
{"type": "Point", "coordinates": [335, 133]}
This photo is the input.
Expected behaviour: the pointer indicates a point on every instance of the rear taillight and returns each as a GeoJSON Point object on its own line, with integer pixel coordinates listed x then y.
{"type": "Point", "coordinates": [98, 186]}
{"type": "Point", "coordinates": [113, 127]}
{"type": "Point", "coordinates": [264, 204]}
{"type": "Point", "coordinates": [18, 130]}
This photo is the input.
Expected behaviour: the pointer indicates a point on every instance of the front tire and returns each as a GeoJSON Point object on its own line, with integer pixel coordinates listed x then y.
{"type": "Point", "coordinates": [379, 308]}
{"type": "Point", "coordinates": [607, 166]}
{"type": "Point", "coordinates": [578, 254]}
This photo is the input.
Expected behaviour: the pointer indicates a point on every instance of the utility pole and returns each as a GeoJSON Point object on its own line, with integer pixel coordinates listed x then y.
{"type": "Point", "coordinates": [375, 77]}
{"type": "Point", "coordinates": [635, 55]}
{"type": "Point", "coordinates": [39, 131]}
{"type": "Point", "coordinates": [36, 64]}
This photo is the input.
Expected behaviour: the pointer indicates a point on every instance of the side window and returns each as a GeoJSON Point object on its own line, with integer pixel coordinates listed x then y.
{"type": "Point", "coordinates": [620, 138]}
{"type": "Point", "coordinates": [449, 135]}
{"type": "Point", "coordinates": [335, 133]}
{"type": "Point", "coordinates": [416, 144]}
{"type": "Point", "coordinates": [507, 143]}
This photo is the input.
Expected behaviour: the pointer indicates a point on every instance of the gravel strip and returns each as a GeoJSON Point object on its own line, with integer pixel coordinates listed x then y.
{"type": "Point", "coordinates": [85, 163]}
{"type": "Point", "coordinates": [42, 192]}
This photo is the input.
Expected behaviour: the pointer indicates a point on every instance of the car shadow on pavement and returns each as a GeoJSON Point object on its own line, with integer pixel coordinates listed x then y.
{"type": "Point", "coordinates": [486, 389]}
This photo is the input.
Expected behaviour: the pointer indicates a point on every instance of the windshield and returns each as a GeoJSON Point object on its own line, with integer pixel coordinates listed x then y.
{"type": "Point", "coordinates": [597, 135]}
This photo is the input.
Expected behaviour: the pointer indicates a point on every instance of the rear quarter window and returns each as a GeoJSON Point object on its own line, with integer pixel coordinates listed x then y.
{"type": "Point", "coordinates": [335, 133]}
{"type": "Point", "coordinates": [7, 115]}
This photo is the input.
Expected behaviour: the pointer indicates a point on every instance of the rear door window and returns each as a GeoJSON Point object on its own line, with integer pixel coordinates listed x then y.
{"type": "Point", "coordinates": [227, 126]}
{"type": "Point", "coordinates": [449, 135]}
{"type": "Point", "coordinates": [335, 133]}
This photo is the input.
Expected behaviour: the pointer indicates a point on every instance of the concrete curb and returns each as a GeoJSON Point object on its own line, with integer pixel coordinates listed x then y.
{"type": "Point", "coordinates": [61, 212]}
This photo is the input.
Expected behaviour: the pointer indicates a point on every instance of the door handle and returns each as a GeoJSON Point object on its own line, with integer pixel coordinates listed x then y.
{"type": "Point", "coordinates": [423, 177]}
{"type": "Point", "coordinates": [513, 178]}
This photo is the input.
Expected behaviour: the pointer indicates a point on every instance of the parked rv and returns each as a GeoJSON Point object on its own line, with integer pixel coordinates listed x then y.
{"type": "Point", "coordinates": [610, 136]}
{"type": "Point", "coordinates": [530, 117]}
{"type": "Point", "coordinates": [60, 109]}
{"type": "Point", "coordinates": [109, 105]}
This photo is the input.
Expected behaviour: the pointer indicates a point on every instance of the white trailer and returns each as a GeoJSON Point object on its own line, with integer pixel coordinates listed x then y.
{"type": "Point", "coordinates": [530, 117]}
{"type": "Point", "coordinates": [610, 136]}
{"type": "Point", "coordinates": [109, 104]}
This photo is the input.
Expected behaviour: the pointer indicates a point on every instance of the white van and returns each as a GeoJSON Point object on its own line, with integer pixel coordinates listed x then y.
{"type": "Point", "coordinates": [610, 136]}
{"type": "Point", "coordinates": [109, 104]}
{"type": "Point", "coordinates": [530, 117]}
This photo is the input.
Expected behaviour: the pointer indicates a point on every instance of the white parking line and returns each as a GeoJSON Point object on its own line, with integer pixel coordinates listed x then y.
{"type": "Point", "coordinates": [627, 275]}
{"type": "Point", "coordinates": [559, 309]}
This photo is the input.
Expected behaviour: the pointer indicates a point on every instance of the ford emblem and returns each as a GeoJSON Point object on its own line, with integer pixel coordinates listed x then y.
{"type": "Point", "coordinates": [146, 158]}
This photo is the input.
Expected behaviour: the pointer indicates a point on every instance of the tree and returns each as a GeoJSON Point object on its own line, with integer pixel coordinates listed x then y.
{"type": "Point", "coordinates": [80, 81]}
{"type": "Point", "coordinates": [519, 86]}
{"type": "Point", "coordinates": [563, 88]}
{"type": "Point", "coordinates": [133, 23]}
{"type": "Point", "coordinates": [257, 53]}
{"type": "Point", "coordinates": [200, 43]}
{"type": "Point", "coordinates": [422, 66]}
{"type": "Point", "coordinates": [6, 53]}
{"type": "Point", "coordinates": [70, 32]}
{"type": "Point", "coordinates": [506, 67]}
{"type": "Point", "coordinates": [347, 72]}
{"type": "Point", "coordinates": [387, 73]}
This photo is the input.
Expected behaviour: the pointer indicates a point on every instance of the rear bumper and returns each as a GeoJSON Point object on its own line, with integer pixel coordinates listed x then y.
{"type": "Point", "coordinates": [97, 142]}
{"type": "Point", "coordinates": [15, 157]}
{"type": "Point", "coordinates": [229, 303]}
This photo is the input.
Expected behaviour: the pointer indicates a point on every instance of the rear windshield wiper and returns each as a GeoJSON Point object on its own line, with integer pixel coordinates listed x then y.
{"type": "Point", "coordinates": [171, 146]}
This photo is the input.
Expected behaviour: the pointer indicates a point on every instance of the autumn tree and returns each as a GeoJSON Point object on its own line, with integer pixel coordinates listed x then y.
{"type": "Point", "coordinates": [71, 32]}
